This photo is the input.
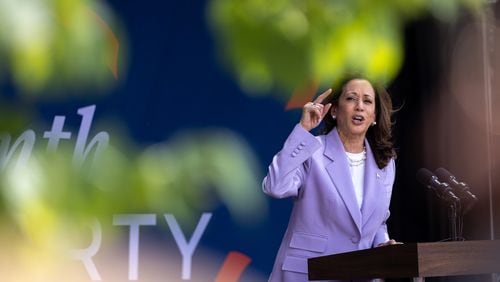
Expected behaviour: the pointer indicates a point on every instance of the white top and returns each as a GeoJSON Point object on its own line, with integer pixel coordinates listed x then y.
{"type": "Point", "coordinates": [357, 167]}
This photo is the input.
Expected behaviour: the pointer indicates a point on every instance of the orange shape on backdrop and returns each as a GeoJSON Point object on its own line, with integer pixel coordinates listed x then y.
{"type": "Point", "coordinates": [232, 268]}
{"type": "Point", "coordinates": [114, 44]}
{"type": "Point", "coordinates": [301, 96]}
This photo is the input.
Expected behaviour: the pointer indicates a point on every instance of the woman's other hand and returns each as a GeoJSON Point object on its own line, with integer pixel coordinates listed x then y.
{"type": "Point", "coordinates": [314, 112]}
{"type": "Point", "coordinates": [390, 242]}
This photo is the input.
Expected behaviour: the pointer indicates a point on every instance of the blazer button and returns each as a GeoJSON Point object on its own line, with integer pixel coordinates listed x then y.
{"type": "Point", "coordinates": [302, 143]}
{"type": "Point", "coordinates": [355, 240]}
{"type": "Point", "coordinates": [296, 151]}
{"type": "Point", "coordinates": [294, 154]}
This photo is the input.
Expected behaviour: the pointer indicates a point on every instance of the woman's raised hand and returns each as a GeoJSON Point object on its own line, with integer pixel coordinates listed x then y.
{"type": "Point", "coordinates": [314, 112]}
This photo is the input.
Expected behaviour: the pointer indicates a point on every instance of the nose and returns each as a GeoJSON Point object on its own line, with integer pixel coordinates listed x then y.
{"type": "Point", "coordinates": [359, 105]}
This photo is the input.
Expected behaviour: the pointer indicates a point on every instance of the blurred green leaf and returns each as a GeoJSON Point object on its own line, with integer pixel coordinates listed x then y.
{"type": "Point", "coordinates": [192, 173]}
{"type": "Point", "coordinates": [57, 44]}
{"type": "Point", "coordinates": [283, 45]}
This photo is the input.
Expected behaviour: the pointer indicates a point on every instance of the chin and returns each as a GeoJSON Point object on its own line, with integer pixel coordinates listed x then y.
{"type": "Point", "coordinates": [358, 130]}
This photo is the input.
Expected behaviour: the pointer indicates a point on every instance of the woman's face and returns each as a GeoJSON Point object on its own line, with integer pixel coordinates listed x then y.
{"type": "Point", "coordinates": [355, 111]}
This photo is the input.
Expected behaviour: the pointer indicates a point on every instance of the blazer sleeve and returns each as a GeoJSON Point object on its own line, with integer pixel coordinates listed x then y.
{"type": "Point", "coordinates": [286, 172]}
{"type": "Point", "coordinates": [382, 235]}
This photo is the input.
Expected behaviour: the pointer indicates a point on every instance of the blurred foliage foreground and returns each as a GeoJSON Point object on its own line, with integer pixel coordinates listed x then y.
{"type": "Point", "coordinates": [48, 202]}
{"type": "Point", "coordinates": [51, 202]}
{"type": "Point", "coordinates": [289, 44]}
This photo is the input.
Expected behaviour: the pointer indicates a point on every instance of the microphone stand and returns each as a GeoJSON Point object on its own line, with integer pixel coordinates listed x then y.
{"type": "Point", "coordinates": [453, 208]}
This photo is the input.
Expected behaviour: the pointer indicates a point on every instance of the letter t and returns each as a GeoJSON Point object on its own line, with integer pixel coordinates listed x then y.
{"type": "Point", "coordinates": [56, 133]}
{"type": "Point", "coordinates": [134, 221]}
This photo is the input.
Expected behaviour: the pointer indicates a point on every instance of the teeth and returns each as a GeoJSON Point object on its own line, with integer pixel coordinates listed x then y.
{"type": "Point", "coordinates": [358, 118]}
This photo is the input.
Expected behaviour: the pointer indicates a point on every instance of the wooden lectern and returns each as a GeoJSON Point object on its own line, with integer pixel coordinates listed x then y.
{"type": "Point", "coordinates": [410, 260]}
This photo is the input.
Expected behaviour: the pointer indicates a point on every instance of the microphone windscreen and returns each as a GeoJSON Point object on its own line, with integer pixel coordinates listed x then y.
{"type": "Point", "coordinates": [424, 176]}
{"type": "Point", "coordinates": [443, 174]}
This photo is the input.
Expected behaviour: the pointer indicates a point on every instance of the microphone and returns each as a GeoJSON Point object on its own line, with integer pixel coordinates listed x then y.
{"type": "Point", "coordinates": [431, 181]}
{"type": "Point", "coordinates": [460, 188]}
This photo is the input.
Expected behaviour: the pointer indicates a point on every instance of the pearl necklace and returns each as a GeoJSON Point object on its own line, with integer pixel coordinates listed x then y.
{"type": "Point", "coordinates": [357, 161]}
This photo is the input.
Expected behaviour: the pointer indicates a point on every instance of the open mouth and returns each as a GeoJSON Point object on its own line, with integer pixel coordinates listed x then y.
{"type": "Point", "coordinates": [357, 119]}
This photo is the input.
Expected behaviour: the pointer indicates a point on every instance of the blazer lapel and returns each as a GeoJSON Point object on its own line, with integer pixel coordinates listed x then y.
{"type": "Point", "coordinates": [372, 184]}
{"type": "Point", "coordinates": [339, 172]}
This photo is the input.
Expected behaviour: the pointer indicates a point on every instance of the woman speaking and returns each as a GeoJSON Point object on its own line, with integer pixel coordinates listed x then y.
{"type": "Point", "coordinates": [341, 181]}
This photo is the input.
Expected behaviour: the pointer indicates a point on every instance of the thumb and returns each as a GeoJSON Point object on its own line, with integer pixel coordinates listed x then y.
{"type": "Point", "coordinates": [326, 110]}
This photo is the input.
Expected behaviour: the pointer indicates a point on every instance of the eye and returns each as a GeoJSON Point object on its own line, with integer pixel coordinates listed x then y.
{"type": "Point", "coordinates": [368, 102]}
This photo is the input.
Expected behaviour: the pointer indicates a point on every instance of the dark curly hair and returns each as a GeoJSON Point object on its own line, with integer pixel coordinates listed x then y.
{"type": "Point", "coordinates": [380, 135]}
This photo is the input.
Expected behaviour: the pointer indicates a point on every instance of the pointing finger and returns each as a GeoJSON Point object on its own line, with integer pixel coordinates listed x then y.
{"type": "Point", "coordinates": [323, 95]}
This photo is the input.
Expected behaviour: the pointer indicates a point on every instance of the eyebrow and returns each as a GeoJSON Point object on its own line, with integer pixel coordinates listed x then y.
{"type": "Point", "coordinates": [364, 95]}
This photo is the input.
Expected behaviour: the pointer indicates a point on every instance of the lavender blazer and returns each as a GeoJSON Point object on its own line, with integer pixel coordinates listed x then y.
{"type": "Point", "coordinates": [326, 218]}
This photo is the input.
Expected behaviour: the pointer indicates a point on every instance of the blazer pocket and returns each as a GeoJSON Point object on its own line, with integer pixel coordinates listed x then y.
{"type": "Point", "coordinates": [303, 246]}
{"type": "Point", "coordinates": [295, 264]}
{"type": "Point", "coordinates": [309, 242]}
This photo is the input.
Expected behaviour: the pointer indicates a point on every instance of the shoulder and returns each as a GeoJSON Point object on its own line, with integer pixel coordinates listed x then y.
{"type": "Point", "coordinates": [390, 168]}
